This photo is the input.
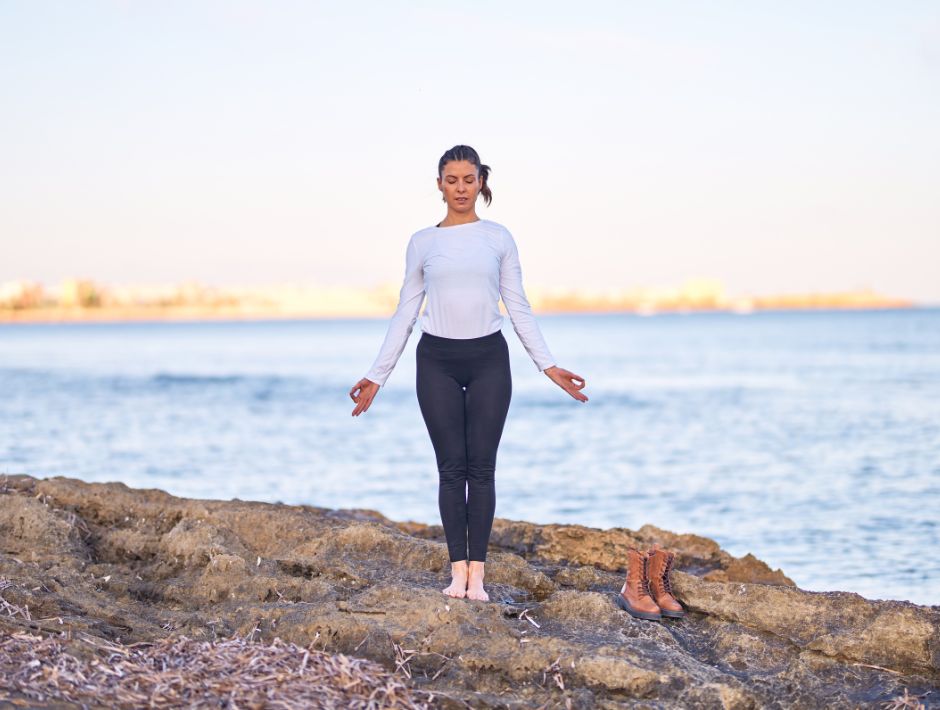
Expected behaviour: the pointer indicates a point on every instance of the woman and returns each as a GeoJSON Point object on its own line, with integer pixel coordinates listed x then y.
{"type": "Point", "coordinates": [464, 264]}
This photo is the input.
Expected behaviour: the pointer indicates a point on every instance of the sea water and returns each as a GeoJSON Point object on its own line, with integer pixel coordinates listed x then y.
{"type": "Point", "coordinates": [810, 439]}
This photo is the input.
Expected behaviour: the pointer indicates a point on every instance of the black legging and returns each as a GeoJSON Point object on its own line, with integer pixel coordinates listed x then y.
{"type": "Point", "coordinates": [464, 387]}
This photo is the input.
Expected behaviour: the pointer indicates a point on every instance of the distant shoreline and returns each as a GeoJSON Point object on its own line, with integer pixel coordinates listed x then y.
{"type": "Point", "coordinates": [185, 314]}
{"type": "Point", "coordinates": [80, 300]}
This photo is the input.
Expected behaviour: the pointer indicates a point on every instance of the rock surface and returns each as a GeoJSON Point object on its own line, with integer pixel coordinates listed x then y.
{"type": "Point", "coordinates": [129, 565]}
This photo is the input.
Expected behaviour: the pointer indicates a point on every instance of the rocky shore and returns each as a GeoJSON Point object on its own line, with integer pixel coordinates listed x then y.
{"type": "Point", "coordinates": [122, 566]}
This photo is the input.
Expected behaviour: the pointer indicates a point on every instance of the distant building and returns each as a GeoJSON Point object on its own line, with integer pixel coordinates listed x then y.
{"type": "Point", "coordinates": [21, 294]}
{"type": "Point", "coordinates": [79, 293]}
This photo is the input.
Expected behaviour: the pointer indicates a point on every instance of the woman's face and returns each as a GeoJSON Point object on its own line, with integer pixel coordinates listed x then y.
{"type": "Point", "coordinates": [460, 184]}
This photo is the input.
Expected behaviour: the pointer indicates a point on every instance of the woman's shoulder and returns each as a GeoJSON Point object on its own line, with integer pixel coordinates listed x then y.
{"type": "Point", "coordinates": [421, 236]}
{"type": "Point", "coordinates": [499, 231]}
{"type": "Point", "coordinates": [495, 227]}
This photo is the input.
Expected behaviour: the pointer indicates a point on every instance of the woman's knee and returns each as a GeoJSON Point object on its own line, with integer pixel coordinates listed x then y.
{"type": "Point", "coordinates": [481, 469]}
{"type": "Point", "coordinates": [452, 471]}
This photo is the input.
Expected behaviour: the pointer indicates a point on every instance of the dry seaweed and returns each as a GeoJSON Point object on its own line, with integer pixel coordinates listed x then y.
{"type": "Point", "coordinates": [182, 672]}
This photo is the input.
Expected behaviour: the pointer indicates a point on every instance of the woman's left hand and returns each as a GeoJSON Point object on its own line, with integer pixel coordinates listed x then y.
{"type": "Point", "coordinates": [568, 381]}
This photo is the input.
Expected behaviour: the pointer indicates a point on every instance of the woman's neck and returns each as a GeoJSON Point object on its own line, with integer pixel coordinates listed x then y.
{"type": "Point", "coordinates": [452, 219]}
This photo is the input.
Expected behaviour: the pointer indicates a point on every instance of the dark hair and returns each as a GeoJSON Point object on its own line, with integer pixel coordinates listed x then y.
{"type": "Point", "coordinates": [465, 152]}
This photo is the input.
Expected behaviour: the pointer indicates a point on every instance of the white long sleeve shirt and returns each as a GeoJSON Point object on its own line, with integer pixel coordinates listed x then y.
{"type": "Point", "coordinates": [464, 269]}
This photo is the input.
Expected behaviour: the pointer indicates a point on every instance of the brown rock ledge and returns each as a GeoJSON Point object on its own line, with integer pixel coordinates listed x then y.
{"type": "Point", "coordinates": [128, 565]}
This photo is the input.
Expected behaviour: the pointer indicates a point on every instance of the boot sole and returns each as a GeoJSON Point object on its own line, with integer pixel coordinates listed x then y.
{"type": "Point", "coordinates": [673, 614]}
{"type": "Point", "coordinates": [625, 605]}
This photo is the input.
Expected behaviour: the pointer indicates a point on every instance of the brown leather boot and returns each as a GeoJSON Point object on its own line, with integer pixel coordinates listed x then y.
{"type": "Point", "coordinates": [635, 598]}
{"type": "Point", "coordinates": [660, 566]}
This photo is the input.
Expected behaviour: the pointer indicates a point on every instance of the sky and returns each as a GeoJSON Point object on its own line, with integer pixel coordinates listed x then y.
{"type": "Point", "coordinates": [778, 147]}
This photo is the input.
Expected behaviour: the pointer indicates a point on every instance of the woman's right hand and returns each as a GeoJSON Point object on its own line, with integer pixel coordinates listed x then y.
{"type": "Point", "coordinates": [367, 391]}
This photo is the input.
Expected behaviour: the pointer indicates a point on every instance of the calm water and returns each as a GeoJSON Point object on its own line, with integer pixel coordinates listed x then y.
{"type": "Point", "coordinates": [811, 440]}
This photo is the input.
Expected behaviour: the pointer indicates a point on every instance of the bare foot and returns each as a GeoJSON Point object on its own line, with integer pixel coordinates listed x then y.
{"type": "Point", "coordinates": [475, 583]}
{"type": "Point", "coordinates": [458, 585]}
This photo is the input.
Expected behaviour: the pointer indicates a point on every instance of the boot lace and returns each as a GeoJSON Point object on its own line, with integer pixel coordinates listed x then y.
{"type": "Point", "coordinates": [643, 584]}
{"type": "Point", "coordinates": [667, 586]}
